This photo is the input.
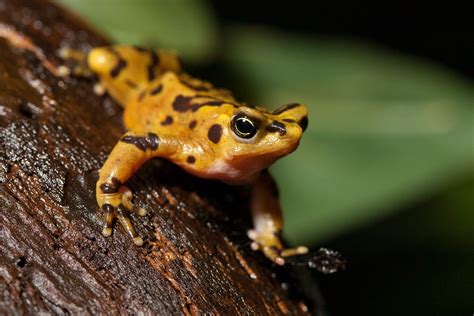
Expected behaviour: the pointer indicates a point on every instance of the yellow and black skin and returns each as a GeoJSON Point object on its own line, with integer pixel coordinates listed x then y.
{"type": "Point", "coordinates": [202, 129]}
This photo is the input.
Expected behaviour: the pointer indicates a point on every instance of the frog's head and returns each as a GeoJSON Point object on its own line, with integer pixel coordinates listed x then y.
{"type": "Point", "coordinates": [255, 138]}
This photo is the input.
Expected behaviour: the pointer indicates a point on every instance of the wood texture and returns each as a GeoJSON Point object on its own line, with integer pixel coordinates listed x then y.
{"type": "Point", "coordinates": [54, 136]}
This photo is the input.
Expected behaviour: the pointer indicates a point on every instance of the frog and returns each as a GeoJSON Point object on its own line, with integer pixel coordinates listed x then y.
{"type": "Point", "coordinates": [201, 128]}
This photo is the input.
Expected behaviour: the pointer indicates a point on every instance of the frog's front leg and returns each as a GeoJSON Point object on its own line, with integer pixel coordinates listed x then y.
{"type": "Point", "coordinates": [267, 219]}
{"type": "Point", "coordinates": [115, 199]}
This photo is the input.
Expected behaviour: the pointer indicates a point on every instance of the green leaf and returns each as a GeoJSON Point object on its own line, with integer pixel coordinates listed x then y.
{"type": "Point", "coordinates": [385, 129]}
{"type": "Point", "coordinates": [187, 26]}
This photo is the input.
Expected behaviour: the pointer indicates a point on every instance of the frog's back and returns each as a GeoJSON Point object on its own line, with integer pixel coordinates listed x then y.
{"type": "Point", "coordinates": [175, 101]}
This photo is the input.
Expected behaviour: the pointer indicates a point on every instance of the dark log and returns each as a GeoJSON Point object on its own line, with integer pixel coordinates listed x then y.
{"type": "Point", "coordinates": [54, 136]}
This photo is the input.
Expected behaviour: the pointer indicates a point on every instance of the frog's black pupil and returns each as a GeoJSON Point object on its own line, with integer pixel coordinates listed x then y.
{"type": "Point", "coordinates": [244, 127]}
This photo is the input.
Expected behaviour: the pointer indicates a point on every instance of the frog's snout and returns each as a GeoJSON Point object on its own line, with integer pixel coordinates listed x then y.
{"type": "Point", "coordinates": [303, 123]}
{"type": "Point", "coordinates": [293, 113]}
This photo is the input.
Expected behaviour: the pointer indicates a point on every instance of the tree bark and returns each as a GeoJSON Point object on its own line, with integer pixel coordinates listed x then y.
{"type": "Point", "coordinates": [54, 136]}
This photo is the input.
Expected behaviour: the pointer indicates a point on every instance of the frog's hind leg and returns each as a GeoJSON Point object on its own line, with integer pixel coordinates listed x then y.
{"type": "Point", "coordinates": [76, 65]}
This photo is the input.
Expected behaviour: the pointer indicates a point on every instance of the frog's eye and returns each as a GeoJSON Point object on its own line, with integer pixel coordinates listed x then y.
{"type": "Point", "coordinates": [243, 126]}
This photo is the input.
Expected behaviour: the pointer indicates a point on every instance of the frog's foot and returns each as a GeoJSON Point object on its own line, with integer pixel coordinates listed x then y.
{"type": "Point", "coordinates": [270, 244]}
{"type": "Point", "coordinates": [76, 63]}
{"type": "Point", "coordinates": [119, 205]}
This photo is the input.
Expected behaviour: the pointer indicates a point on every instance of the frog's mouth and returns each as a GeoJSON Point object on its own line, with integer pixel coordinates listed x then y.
{"type": "Point", "coordinates": [252, 163]}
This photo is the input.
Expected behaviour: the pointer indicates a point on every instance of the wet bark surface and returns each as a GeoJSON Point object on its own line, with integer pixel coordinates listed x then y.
{"type": "Point", "coordinates": [54, 136]}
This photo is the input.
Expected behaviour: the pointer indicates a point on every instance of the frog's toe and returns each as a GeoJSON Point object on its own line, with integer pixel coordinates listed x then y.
{"type": "Point", "coordinates": [278, 255]}
{"type": "Point", "coordinates": [78, 70]}
{"type": "Point", "coordinates": [127, 197]}
{"type": "Point", "coordinates": [70, 53]}
{"type": "Point", "coordinates": [63, 71]}
{"type": "Point", "coordinates": [272, 247]}
{"type": "Point", "coordinates": [273, 253]}
{"type": "Point", "coordinates": [119, 206]}
{"type": "Point", "coordinates": [252, 234]}
{"type": "Point", "coordinates": [99, 89]}
{"type": "Point", "coordinates": [77, 63]}
{"type": "Point", "coordinates": [124, 219]}
{"type": "Point", "coordinates": [107, 231]}
{"type": "Point", "coordinates": [109, 215]}
{"type": "Point", "coordinates": [138, 241]}
{"type": "Point", "coordinates": [289, 252]}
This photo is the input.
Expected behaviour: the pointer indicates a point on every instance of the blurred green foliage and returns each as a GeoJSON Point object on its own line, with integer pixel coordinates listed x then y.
{"type": "Point", "coordinates": [187, 26]}
{"type": "Point", "coordinates": [386, 132]}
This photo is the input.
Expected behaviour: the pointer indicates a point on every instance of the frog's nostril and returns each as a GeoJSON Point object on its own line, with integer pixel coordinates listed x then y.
{"type": "Point", "coordinates": [276, 127]}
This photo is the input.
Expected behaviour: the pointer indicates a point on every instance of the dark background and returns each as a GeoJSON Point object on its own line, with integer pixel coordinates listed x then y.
{"type": "Point", "coordinates": [442, 33]}
{"type": "Point", "coordinates": [376, 275]}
